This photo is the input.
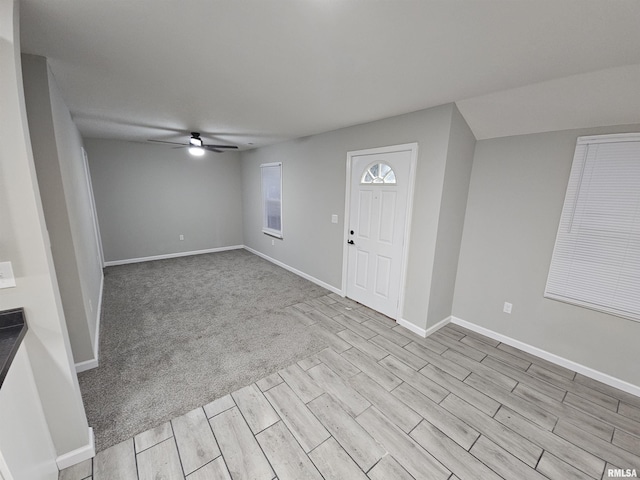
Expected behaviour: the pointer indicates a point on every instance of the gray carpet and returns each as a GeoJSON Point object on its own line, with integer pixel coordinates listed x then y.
{"type": "Point", "coordinates": [179, 333]}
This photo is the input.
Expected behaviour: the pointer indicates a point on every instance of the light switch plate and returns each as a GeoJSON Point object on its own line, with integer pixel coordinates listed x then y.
{"type": "Point", "coordinates": [507, 307]}
{"type": "Point", "coordinates": [334, 218]}
{"type": "Point", "coordinates": [7, 280]}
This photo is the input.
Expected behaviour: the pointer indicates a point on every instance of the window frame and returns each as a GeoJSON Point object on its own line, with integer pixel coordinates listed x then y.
{"type": "Point", "coordinates": [265, 202]}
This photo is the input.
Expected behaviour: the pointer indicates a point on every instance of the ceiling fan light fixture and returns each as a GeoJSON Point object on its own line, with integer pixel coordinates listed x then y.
{"type": "Point", "coordinates": [196, 151]}
{"type": "Point", "coordinates": [197, 142]}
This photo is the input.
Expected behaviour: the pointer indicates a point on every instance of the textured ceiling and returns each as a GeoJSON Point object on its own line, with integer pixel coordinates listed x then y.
{"type": "Point", "coordinates": [263, 71]}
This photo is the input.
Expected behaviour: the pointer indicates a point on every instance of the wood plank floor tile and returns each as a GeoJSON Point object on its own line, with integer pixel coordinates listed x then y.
{"type": "Point", "coordinates": [388, 333]}
{"type": "Point", "coordinates": [323, 307]}
{"type": "Point", "coordinates": [625, 440]}
{"type": "Point", "coordinates": [611, 391]}
{"type": "Point", "coordinates": [79, 471]}
{"type": "Point", "coordinates": [288, 460]}
{"type": "Point", "coordinates": [334, 463]}
{"type": "Point", "coordinates": [355, 314]}
{"type": "Point", "coordinates": [324, 321]}
{"type": "Point", "coordinates": [301, 383]}
{"type": "Point", "coordinates": [501, 355]}
{"type": "Point", "coordinates": [241, 452]}
{"type": "Point", "coordinates": [354, 326]}
{"type": "Point", "coordinates": [117, 461]}
{"type": "Point", "coordinates": [417, 461]}
{"type": "Point", "coordinates": [368, 365]}
{"type": "Point", "coordinates": [524, 377]}
{"type": "Point", "coordinates": [152, 437]}
{"type": "Point", "coordinates": [400, 353]}
{"type": "Point", "coordinates": [481, 369]}
{"type": "Point", "coordinates": [530, 411]}
{"type": "Point", "coordinates": [379, 317]}
{"type": "Point", "coordinates": [160, 461]}
{"type": "Point", "coordinates": [452, 332]}
{"type": "Point", "coordinates": [256, 410]}
{"type": "Point", "coordinates": [338, 364]}
{"type": "Point", "coordinates": [629, 411]}
{"type": "Point", "coordinates": [332, 339]}
{"type": "Point", "coordinates": [307, 363]}
{"type": "Point", "coordinates": [465, 332]}
{"type": "Point", "coordinates": [360, 446]}
{"type": "Point", "coordinates": [516, 444]}
{"type": "Point", "coordinates": [464, 349]}
{"type": "Point", "coordinates": [615, 419]}
{"type": "Point", "coordinates": [561, 410]}
{"type": "Point", "coordinates": [596, 446]}
{"type": "Point", "coordinates": [555, 469]}
{"type": "Point", "coordinates": [344, 301]}
{"type": "Point", "coordinates": [455, 458]}
{"type": "Point", "coordinates": [303, 307]}
{"type": "Point", "coordinates": [401, 415]}
{"type": "Point", "coordinates": [297, 417]}
{"type": "Point", "coordinates": [562, 371]}
{"type": "Point", "coordinates": [326, 299]}
{"type": "Point", "coordinates": [561, 448]}
{"type": "Point", "coordinates": [483, 402]}
{"type": "Point", "coordinates": [438, 361]}
{"type": "Point", "coordinates": [424, 385]}
{"type": "Point", "coordinates": [299, 315]}
{"type": "Point", "coordinates": [215, 470]}
{"type": "Point", "coordinates": [388, 468]}
{"type": "Point", "coordinates": [219, 406]}
{"type": "Point", "coordinates": [363, 345]}
{"type": "Point", "coordinates": [351, 401]}
{"type": "Point", "coordinates": [456, 429]}
{"type": "Point", "coordinates": [271, 381]}
{"type": "Point", "coordinates": [502, 461]}
{"type": "Point", "coordinates": [196, 444]}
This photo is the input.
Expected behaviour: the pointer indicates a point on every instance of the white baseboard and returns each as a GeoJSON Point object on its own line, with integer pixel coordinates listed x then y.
{"type": "Point", "coordinates": [171, 255]}
{"type": "Point", "coordinates": [78, 455]}
{"type": "Point", "coordinates": [93, 363]}
{"type": "Point", "coordinates": [296, 271]}
{"type": "Point", "coordinates": [552, 357]}
{"type": "Point", "coordinates": [421, 331]}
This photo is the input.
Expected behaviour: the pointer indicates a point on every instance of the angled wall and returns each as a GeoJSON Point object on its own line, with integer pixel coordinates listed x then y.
{"type": "Point", "coordinates": [62, 181]}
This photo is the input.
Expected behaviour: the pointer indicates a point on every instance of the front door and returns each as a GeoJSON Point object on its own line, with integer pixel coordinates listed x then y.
{"type": "Point", "coordinates": [376, 228]}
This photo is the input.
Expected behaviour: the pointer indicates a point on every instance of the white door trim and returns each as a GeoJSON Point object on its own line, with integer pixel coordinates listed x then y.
{"type": "Point", "coordinates": [413, 148]}
{"type": "Point", "coordinates": [92, 200]}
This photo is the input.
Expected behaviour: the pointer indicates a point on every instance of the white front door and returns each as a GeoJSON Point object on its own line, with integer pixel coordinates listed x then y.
{"type": "Point", "coordinates": [376, 228]}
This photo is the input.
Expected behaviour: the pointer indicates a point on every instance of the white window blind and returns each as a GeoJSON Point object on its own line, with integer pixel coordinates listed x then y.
{"type": "Point", "coordinates": [596, 259]}
{"type": "Point", "coordinates": [272, 199]}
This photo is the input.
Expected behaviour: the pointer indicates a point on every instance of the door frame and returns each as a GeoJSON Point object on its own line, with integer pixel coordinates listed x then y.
{"type": "Point", "coordinates": [92, 201]}
{"type": "Point", "coordinates": [413, 149]}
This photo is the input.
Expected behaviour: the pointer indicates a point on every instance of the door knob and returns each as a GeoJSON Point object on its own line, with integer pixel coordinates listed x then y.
{"type": "Point", "coordinates": [351, 232]}
{"type": "Point", "coordinates": [350, 242]}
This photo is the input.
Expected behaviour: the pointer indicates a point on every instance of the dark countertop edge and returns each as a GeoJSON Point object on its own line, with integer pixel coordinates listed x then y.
{"type": "Point", "coordinates": [13, 325]}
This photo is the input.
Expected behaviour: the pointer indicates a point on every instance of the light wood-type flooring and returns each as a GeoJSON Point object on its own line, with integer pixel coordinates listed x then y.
{"type": "Point", "coordinates": [382, 403]}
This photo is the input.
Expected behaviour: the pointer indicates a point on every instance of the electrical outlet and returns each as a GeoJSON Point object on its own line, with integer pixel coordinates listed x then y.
{"type": "Point", "coordinates": [181, 237]}
{"type": "Point", "coordinates": [273, 242]}
{"type": "Point", "coordinates": [334, 218]}
{"type": "Point", "coordinates": [507, 307]}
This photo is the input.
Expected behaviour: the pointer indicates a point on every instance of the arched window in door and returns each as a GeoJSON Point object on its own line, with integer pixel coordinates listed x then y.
{"type": "Point", "coordinates": [379, 173]}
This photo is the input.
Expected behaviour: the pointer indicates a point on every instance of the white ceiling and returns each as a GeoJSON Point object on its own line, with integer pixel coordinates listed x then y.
{"type": "Point", "coordinates": [262, 71]}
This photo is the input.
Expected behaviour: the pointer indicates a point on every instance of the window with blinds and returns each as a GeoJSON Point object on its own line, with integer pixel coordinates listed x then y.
{"type": "Point", "coordinates": [272, 199]}
{"type": "Point", "coordinates": [596, 259]}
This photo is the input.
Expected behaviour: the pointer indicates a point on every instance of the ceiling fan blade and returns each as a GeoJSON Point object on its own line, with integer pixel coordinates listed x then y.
{"type": "Point", "coordinates": [212, 148]}
{"type": "Point", "coordinates": [164, 141]}
{"type": "Point", "coordinates": [181, 146]}
{"type": "Point", "coordinates": [223, 146]}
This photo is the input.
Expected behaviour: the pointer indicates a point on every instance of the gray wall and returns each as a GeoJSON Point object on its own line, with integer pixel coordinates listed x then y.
{"type": "Point", "coordinates": [451, 220]}
{"type": "Point", "coordinates": [147, 195]}
{"type": "Point", "coordinates": [24, 241]}
{"type": "Point", "coordinates": [66, 202]}
{"type": "Point", "coordinates": [515, 200]}
{"type": "Point", "coordinates": [314, 176]}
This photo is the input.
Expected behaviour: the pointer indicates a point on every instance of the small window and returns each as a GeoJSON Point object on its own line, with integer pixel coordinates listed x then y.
{"type": "Point", "coordinates": [380, 173]}
{"type": "Point", "coordinates": [596, 257]}
{"type": "Point", "coordinates": [272, 199]}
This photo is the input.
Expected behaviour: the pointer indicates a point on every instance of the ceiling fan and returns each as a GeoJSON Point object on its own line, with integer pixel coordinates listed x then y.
{"type": "Point", "coordinates": [196, 146]}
